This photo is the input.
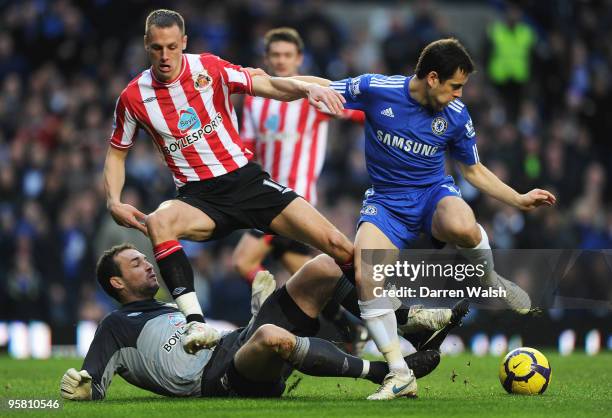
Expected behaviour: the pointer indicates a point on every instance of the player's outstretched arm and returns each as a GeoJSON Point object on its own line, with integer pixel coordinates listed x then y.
{"type": "Point", "coordinates": [114, 178]}
{"type": "Point", "coordinates": [290, 88]}
{"type": "Point", "coordinates": [323, 82]}
{"type": "Point", "coordinates": [487, 182]}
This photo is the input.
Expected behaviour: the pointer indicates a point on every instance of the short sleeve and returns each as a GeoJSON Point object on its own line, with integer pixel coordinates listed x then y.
{"type": "Point", "coordinates": [354, 90]}
{"type": "Point", "coordinates": [125, 126]}
{"type": "Point", "coordinates": [236, 78]}
{"type": "Point", "coordinates": [463, 145]}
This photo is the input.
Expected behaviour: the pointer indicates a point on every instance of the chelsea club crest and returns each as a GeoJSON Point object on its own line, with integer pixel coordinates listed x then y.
{"type": "Point", "coordinates": [439, 125]}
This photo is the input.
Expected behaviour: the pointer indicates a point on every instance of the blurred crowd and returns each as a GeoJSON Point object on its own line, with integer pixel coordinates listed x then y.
{"type": "Point", "coordinates": [540, 102]}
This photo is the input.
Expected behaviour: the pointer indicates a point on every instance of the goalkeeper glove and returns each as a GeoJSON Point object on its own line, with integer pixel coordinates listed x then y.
{"type": "Point", "coordinates": [76, 385]}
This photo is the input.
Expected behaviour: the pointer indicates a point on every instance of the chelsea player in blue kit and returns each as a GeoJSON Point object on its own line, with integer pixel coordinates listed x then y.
{"type": "Point", "coordinates": [411, 122]}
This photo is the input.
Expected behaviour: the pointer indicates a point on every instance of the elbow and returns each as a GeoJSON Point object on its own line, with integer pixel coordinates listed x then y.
{"type": "Point", "coordinates": [472, 173]}
{"type": "Point", "coordinates": [469, 177]}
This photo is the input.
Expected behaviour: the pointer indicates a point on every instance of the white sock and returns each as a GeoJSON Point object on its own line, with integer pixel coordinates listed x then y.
{"type": "Point", "coordinates": [382, 325]}
{"type": "Point", "coordinates": [188, 304]}
{"type": "Point", "coordinates": [482, 254]}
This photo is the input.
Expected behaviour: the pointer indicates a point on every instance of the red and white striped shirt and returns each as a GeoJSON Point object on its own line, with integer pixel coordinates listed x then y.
{"type": "Point", "coordinates": [289, 140]}
{"type": "Point", "coordinates": [191, 119]}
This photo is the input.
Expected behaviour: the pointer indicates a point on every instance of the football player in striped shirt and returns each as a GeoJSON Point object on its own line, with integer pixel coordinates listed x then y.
{"type": "Point", "coordinates": [289, 140]}
{"type": "Point", "coordinates": [183, 102]}
{"type": "Point", "coordinates": [411, 121]}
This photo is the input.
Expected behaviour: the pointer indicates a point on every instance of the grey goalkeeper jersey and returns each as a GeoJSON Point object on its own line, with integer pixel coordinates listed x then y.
{"type": "Point", "coordinates": [142, 343]}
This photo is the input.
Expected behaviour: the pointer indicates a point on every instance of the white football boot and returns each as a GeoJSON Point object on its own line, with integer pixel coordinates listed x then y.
{"type": "Point", "coordinates": [421, 319]}
{"type": "Point", "coordinates": [516, 298]}
{"type": "Point", "coordinates": [396, 385]}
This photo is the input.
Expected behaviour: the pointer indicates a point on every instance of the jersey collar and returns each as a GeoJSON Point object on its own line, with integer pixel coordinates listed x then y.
{"type": "Point", "coordinates": [140, 305]}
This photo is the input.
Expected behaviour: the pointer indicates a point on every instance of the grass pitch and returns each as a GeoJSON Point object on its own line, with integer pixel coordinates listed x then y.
{"type": "Point", "coordinates": [461, 386]}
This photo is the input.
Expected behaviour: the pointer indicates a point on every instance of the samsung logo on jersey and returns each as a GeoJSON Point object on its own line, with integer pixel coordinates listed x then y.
{"type": "Point", "coordinates": [406, 145]}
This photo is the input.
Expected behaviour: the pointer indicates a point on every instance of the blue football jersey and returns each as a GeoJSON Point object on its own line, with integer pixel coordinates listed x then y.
{"type": "Point", "coordinates": [406, 143]}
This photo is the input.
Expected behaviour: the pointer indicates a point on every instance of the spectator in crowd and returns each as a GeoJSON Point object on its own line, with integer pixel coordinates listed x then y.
{"type": "Point", "coordinates": [62, 64]}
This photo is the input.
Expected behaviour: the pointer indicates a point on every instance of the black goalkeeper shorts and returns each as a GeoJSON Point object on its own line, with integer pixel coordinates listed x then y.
{"type": "Point", "coordinates": [220, 377]}
{"type": "Point", "coordinates": [244, 198]}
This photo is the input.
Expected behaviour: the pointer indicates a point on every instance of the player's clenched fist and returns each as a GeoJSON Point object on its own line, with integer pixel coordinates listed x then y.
{"type": "Point", "coordinates": [76, 385]}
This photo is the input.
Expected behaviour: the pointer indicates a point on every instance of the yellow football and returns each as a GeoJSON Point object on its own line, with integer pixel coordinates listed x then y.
{"type": "Point", "coordinates": [525, 371]}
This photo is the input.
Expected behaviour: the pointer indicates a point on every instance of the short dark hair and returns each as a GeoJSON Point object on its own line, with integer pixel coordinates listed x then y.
{"type": "Point", "coordinates": [164, 18]}
{"type": "Point", "coordinates": [107, 267]}
{"type": "Point", "coordinates": [444, 56]}
{"type": "Point", "coordinates": [283, 34]}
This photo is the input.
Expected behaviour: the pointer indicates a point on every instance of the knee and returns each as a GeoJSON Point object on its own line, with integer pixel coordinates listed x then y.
{"type": "Point", "coordinates": [316, 280]}
{"type": "Point", "coordinates": [159, 221]}
{"type": "Point", "coordinates": [324, 267]}
{"type": "Point", "coordinates": [466, 235]}
{"type": "Point", "coordinates": [270, 337]}
{"type": "Point", "coordinates": [313, 285]}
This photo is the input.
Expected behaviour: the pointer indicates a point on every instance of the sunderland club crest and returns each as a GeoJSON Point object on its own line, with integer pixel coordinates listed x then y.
{"type": "Point", "coordinates": [202, 81]}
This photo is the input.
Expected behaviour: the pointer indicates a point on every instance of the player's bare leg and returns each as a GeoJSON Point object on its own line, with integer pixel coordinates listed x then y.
{"type": "Point", "coordinates": [346, 324]}
{"type": "Point", "coordinates": [454, 222]}
{"type": "Point", "coordinates": [379, 316]}
{"type": "Point", "coordinates": [264, 356]}
{"type": "Point", "coordinates": [302, 222]}
{"type": "Point", "coordinates": [172, 220]}
{"type": "Point", "coordinates": [249, 254]}
{"type": "Point", "coordinates": [350, 328]}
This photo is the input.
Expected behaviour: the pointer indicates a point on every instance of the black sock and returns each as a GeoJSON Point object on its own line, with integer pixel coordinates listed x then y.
{"type": "Point", "coordinates": [422, 363]}
{"type": "Point", "coordinates": [344, 322]}
{"type": "Point", "coordinates": [378, 371]}
{"type": "Point", "coordinates": [318, 357]}
{"type": "Point", "coordinates": [178, 276]}
{"type": "Point", "coordinates": [177, 273]}
{"type": "Point", "coordinates": [345, 294]}
{"type": "Point", "coordinates": [348, 270]}
{"type": "Point", "coordinates": [401, 315]}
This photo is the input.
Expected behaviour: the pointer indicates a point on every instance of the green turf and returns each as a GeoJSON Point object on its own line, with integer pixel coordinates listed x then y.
{"type": "Point", "coordinates": [581, 386]}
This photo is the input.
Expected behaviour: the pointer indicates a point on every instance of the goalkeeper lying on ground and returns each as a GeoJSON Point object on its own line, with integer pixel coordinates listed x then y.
{"type": "Point", "coordinates": [142, 340]}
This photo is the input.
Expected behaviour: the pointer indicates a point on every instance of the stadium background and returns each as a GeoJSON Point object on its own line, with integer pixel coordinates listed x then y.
{"type": "Point", "coordinates": [63, 64]}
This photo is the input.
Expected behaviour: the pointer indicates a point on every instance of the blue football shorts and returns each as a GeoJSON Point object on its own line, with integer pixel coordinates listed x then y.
{"type": "Point", "coordinates": [402, 213]}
